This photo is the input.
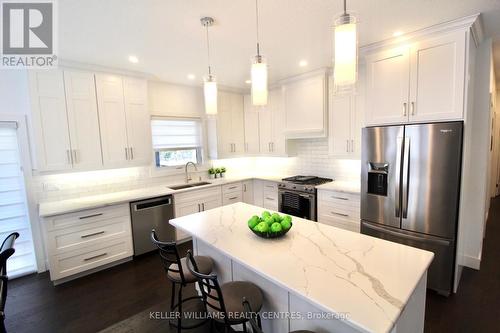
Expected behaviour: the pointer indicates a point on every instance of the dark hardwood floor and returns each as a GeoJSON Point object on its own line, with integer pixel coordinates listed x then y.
{"type": "Point", "coordinates": [120, 299]}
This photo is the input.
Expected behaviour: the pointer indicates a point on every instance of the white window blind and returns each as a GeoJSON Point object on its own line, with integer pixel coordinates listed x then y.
{"type": "Point", "coordinates": [13, 207]}
{"type": "Point", "coordinates": [171, 133]}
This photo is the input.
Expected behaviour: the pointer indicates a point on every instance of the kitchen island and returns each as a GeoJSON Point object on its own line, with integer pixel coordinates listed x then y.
{"type": "Point", "coordinates": [340, 281]}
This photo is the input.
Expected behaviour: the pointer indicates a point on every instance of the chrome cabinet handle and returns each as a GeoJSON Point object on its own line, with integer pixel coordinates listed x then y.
{"type": "Point", "coordinates": [93, 234]}
{"type": "Point", "coordinates": [232, 198]}
{"type": "Point", "coordinates": [412, 108]}
{"type": "Point", "coordinates": [347, 145]}
{"type": "Point", "coordinates": [97, 256]}
{"type": "Point", "coordinates": [232, 187]}
{"type": "Point", "coordinates": [340, 214]}
{"type": "Point", "coordinates": [404, 108]}
{"type": "Point", "coordinates": [203, 207]}
{"type": "Point", "coordinates": [199, 208]}
{"type": "Point", "coordinates": [89, 216]}
{"type": "Point", "coordinates": [68, 155]}
{"type": "Point", "coordinates": [244, 187]}
{"type": "Point", "coordinates": [131, 153]}
{"type": "Point", "coordinates": [339, 198]}
{"type": "Point", "coordinates": [272, 146]}
{"type": "Point", "coordinates": [352, 146]}
{"type": "Point", "coordinates": [267, 198]}
{"type": "Point", "coordinates": [126, 153]}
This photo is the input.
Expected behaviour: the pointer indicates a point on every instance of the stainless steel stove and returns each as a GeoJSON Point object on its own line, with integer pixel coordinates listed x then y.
{"type": "Point", "coordinates": [297, 195]}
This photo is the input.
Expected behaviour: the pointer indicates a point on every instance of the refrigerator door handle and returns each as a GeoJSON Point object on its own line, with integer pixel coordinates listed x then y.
{"type": "Point", "coordinates": [406, 176]}
{"type": "Point", "coordinates": [428, 239]}
{"type": "Point", "coordinates": [398, 180]}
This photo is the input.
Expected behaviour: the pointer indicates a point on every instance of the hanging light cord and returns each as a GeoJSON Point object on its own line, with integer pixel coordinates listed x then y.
{"type": "Point", "coordinates": [345, 7]}
{"type": "Point", "coordinates": [257, 25]}
{"type": "Point", "coordinates": [208, 52]}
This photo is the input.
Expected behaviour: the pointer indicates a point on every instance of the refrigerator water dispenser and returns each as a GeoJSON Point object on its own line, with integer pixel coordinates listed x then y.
{"type": "Point", "coordinates": [377, 178]}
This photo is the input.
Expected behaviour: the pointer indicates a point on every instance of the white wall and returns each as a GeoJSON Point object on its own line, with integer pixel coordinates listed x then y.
{"type": "Point", "coordinates": [166, 99]}
{"type": "Point", "coordinates": [14, 94]}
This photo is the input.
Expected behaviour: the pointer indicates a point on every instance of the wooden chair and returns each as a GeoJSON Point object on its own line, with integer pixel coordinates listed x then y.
{"type": "Point", "coordinates": [178, 274]}
{"type": "Point", "coordinates": [6, 251]}
{"type": "Point", "coordinates": [223, 302]}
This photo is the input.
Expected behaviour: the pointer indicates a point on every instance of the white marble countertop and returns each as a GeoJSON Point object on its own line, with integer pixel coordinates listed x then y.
{"type": "Point", "coordinates": [342, 186]}
{"type": "Point", "coordinates": [336, 270]}
{"type": "Point", "coordinates": [58, 207]}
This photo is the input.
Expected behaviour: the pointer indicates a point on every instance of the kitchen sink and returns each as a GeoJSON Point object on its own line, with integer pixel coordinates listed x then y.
{"type": "Point", "coordinates": [183, 186]}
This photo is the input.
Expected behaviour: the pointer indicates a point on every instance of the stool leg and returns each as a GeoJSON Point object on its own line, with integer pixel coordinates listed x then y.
{"type": "Point", "coordinates": [172, 298]}
{"type": "Point", "coordinates": [259, 323]}
{"type": "Point", "coordinates": [179, 320]}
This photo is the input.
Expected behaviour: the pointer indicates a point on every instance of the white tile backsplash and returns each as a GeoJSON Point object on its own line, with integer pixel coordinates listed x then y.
{"type": "Point", "coordinates": [312, 159]}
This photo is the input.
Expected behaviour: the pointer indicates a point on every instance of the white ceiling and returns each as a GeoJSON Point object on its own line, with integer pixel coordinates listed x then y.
{"type": "Point", "coordinates": [169, 41]}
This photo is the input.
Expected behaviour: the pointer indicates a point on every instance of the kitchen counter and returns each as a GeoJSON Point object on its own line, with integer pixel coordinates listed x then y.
{"type": "Point", "coordinates": [58, 207]}
{"type": "Point", "coordinates": [333, 270]}
{"type": "Point", "coordinates": [342, 186]}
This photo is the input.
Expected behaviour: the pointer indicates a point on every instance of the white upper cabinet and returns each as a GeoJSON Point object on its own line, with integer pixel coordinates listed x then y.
{"type": "Point", "coordinates": [252, 143]}
{"type": "Point", "coordinates": [83, 119]}
{"type": "Point", "coordinates": [138, 121]}
{"type": "Point", "coordinates": [438, 78]}
{"type": "Point", "coordinates": [388, 77]}
{"type": "Point", "coordinates": [279, 144]}
{"type": "Point", "coordinates": [124, 120]}
{"type": "Point", "coordinates": [422, 80]}
{"type": "Point", "coordinates": [306, 105]}
{"type": "Point", "coordinates": [113, 122]}
{"type": "Point", "coordinates": [50, 121]}
{"type": "Point", "coordinates": [341, 142]}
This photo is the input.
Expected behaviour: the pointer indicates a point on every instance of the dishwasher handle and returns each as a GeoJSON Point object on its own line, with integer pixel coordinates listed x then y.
{"type": "Point", "coordinates": [152, 203]}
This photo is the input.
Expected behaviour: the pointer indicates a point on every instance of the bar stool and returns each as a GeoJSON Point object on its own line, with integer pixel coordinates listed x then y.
{"type": "Point", "coordinates": [223, 302]}
{"type": "Point", "coordinates": [171, 261]}
{"type": "Point", "coordinates": [256, 324]}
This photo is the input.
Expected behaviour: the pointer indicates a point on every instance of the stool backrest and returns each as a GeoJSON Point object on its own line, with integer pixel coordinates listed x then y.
{"type": "Point", "coordinates": [252, 318]}
{"type": "Point", "coordinates": [169, 255]}
{"type": "Point", "coordinates": [209, 287]}
{"type": "Point", "coordinates": [6, 250]}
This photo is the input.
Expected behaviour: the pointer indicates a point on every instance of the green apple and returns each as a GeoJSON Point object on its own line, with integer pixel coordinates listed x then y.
{"type": "Point", "coordinates": [262, 227]}
{"type": "Point", "coordinates": [286, 224]}
{"type": "Point", "coordinates": [276, 227]}
{"type": "Point", "coordinates": [253, 221]}
{"type": "Point", "coordinates": [276, 217]}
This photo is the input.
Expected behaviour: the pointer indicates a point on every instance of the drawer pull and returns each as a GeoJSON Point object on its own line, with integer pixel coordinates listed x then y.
{"type": "Point", "coordinates": [232, 187]}
{"type": "Point", "coordinates": [340, 198]}
{"type": "Point", "coordinates": [89, 216]}
{"type": "Point", "coordinates": [93, 234]}
{"type": "Point", "coordinates": [340, 214]}
{"type": "Point", "coordinates": [97, 256]}
{"type": "Point", "coordinates": [267, 198]}
{"type": "Point", "coordinates": [233, 198]}
{"type": "Point", "coordinates": [270, 186]}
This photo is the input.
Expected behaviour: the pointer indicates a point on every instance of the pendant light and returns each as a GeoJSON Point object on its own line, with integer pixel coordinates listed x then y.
{"type": "Point", "coordinates": [209, 82]}
{"type": "Point", "coordinates": [258, 71]}
{"type": "Point", "coordinates": [345, 51]}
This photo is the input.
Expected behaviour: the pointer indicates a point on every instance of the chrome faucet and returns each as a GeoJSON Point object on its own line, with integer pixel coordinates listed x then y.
{"type": "Point", "coordinates": [188, 176]}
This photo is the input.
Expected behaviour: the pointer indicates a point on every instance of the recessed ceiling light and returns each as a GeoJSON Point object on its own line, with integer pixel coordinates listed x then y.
{"type": "Point", "coordinates": [303, 63]}
{"type": "Point", "coordinates": [133, 59]}
{"type": "Point", "coordinates": [191, 76]}
{"type": "Point", "coordinates": [397, 33]}
{"type": "Point", "coordinates": [248, 81]}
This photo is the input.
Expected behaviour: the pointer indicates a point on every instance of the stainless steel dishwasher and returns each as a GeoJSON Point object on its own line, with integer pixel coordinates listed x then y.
{"type": "Point", "coordinates": [151, 214]}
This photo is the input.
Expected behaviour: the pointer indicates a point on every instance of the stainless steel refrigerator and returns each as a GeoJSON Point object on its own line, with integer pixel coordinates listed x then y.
{"type": "Point", "coordinates": [410, 189]}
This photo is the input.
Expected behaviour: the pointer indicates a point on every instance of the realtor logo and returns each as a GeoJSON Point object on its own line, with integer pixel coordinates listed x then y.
{"type": "Point", "coordinates": [28, 34]}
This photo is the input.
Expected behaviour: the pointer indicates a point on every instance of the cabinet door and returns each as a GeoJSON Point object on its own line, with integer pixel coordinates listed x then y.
{"type": "Point", "coordinates": [340, 125]}
{"type": "Point", "coordinates": [258, 193]}
{"type": "Point", "coordinates": [265, 129]}
{"type": "Point", "coordinates": [211, 202]}
{"type": "Point", "coordinates": [388, 77]}
{"type": "Point", "coordinates": [183, 210]}
{"type": "Point", "coordinates": [305, 107]}
{"type": "Point", "coordinates": [248, 194]}
{"type": "Point", "coordinates": [237, 124]}
{"type": "Point", "coordinates": [112, 120]}
{"type": "Point", "coordinates": [277, 111]}
{"type": "Point", "coordinates": [50, 121]}
{"type": "Point", "coordinates": [224, 123]}
{"type": "Point", "coordinates": [252, 144]}
{"type": "Point", "coordinates": [83, 119]}
{"type": "Point", "coordinates": [438, 78]}
{"type": "Point", "coordinates": [138, 121]}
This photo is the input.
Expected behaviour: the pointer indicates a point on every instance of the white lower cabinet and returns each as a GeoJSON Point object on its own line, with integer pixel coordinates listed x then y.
{"type": "Point", "coordinates": [339, 209]}
{"type": "Point", "coordinates": [195, 201]}
{"type": "Point", "coordinates": [248, 193]}
{"type": "Point", "coordinates": [270, 196]}
{"type": "Point", "coordinates": [81, 241]}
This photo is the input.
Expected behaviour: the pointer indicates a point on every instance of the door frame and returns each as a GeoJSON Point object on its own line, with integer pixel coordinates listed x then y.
{"type": "Point", "coordinates": [31, 202]}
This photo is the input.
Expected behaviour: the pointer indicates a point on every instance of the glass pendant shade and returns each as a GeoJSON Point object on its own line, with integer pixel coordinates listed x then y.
{"type": "Point", "coordinates": [259, 82]}
{"type": "Point", "coordinates": [345, 51]}
{"type": "Point", "coordinates": [210, 93]}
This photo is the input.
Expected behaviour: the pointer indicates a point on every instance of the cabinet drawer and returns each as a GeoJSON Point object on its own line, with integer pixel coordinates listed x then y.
{"type": "Point", "coordinates": [339, 197]}
{"type": "Point", "coordinates": [336, 209]}
{"type": "Point", "coordinates": [86, 216]}
{"type": "Point", "coordinates": [230, 198]}
{"type": "Point", "coordinates": [78, 261]}
{"type": "Point", "coordinates": [339, 222]}
{"type": "Point", "coordinates": [271, 203]}
{"type": "Point", "coordinates": [196, 195]}
{"type": "Point", "coordinates": [270, 186]}
{"type": "Point", "coordinates": [89, 234]}
{"type": "Point", "coordinates": [234, 187]}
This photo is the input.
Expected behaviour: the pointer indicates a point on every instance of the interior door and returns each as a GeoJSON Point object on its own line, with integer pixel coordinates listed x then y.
{"type": "Point", "coordinates": [388, 84]}
{"type": "Point", "coordinates": [83, 119]}
{"type": "Point", "coordinates": [112, 120]}
{"type": "Point", "coordinates": [381, 159]}
{"type": "Point", "coordinates": [431, 178]}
